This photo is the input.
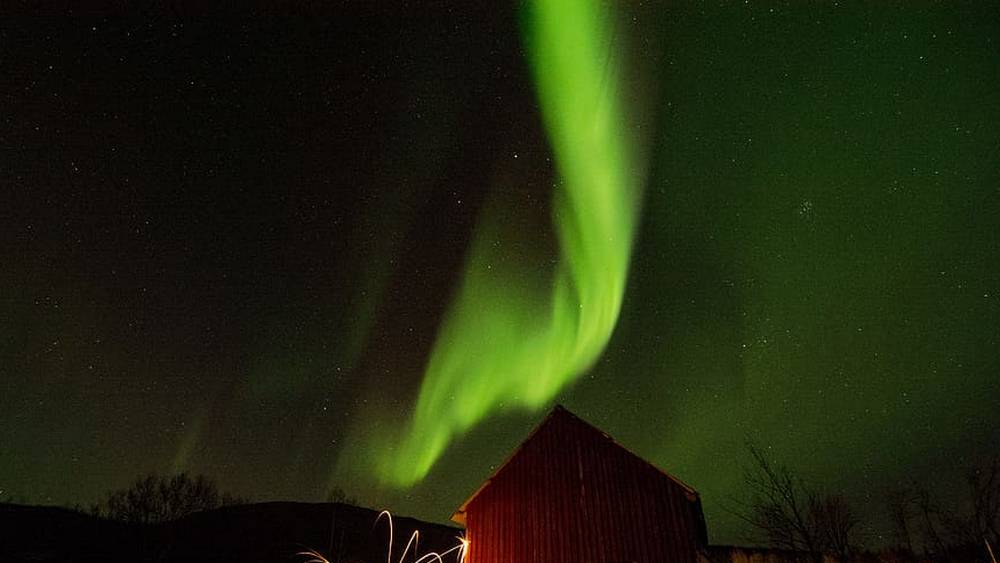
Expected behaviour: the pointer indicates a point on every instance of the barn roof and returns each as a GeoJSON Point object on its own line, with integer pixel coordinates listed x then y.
{"type": "Point", "coordinates": [561, 415]}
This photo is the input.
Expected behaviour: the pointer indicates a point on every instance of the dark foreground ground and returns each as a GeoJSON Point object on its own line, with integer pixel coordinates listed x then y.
{"type": "Point", "coordinates": [271, 532]}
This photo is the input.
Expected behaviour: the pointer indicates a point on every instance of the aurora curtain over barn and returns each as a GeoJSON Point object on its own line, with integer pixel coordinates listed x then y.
{"type": "Point", "coordinates": [268, 246]}
{"type": "Point", "coordinates": [512, 339]}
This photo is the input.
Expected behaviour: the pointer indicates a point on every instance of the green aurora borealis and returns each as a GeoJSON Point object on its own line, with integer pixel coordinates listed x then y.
{"type": "Point", "coordinates": [510, 340]}
{"type": "Point", "coordinates": [241, 245]}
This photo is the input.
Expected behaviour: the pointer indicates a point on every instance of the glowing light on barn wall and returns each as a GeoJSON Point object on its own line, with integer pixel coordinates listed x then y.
{"type": "Point", "coordinates": [513, 339]}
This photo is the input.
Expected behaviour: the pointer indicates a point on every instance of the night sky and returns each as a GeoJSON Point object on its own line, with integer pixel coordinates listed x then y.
{"type": "Point", "coordinates": [228, 241]}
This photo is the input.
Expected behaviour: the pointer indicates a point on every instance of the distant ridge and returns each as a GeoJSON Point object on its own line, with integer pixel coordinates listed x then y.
{"type": "Point", "coordinates": [264, 532]}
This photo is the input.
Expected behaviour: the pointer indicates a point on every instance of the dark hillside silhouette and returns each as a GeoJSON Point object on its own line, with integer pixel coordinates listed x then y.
{"type": "Point", "coordinates": [266, 532]}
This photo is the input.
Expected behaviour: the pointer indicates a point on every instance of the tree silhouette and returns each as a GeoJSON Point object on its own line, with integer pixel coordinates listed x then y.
{"type": "Point", "coordinates": [983, 521]}
{"type": "Point", "coordinates": [901, 504]}
{"type": "Point", "coordinates": [337, 494]}
{"type": "Point", "coordinates": [944, 531]}
{"type": "Point", "coordinates": [788, 514]}
{"type": "Point", "coordinates": [155, 498]}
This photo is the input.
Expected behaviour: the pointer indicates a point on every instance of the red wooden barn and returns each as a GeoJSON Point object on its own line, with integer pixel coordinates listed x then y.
{"type": "Point", "coordinates": [571, 494]}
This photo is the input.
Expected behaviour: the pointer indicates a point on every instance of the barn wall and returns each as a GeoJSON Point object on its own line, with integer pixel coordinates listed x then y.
{"type": "Point", "coordinates": [570, 495]}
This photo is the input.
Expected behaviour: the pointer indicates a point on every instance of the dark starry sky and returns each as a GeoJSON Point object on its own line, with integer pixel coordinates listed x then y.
{"type": "Point", "coordinates": [222, 234]}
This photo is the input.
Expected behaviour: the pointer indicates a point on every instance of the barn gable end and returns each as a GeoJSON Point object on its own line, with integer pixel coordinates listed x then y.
{"type": "Point", "coordinates": [570, 493]}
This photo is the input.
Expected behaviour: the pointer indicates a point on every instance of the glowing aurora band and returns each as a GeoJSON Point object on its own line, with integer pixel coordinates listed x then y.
{"type": "Point", "coordinates": [502, 345]}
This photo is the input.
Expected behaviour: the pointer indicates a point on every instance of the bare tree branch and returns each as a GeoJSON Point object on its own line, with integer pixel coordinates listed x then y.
{"type": "Point", "coordinates": [788, 514]}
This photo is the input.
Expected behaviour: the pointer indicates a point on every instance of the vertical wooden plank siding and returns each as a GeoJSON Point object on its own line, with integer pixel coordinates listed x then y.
{"type": "Point", "coordinates": [572, 495]}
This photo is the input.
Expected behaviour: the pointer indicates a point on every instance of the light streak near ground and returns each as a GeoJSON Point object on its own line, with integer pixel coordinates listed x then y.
{"type": "Point", "coordinates": [461, 550]}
